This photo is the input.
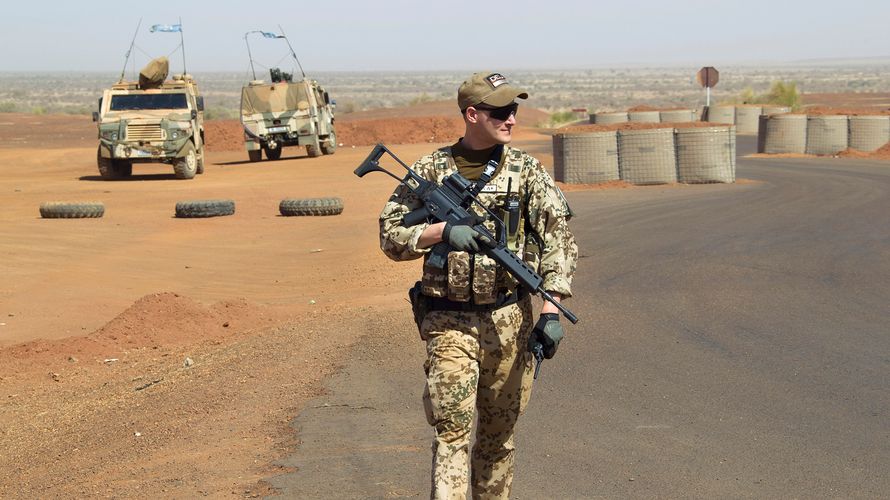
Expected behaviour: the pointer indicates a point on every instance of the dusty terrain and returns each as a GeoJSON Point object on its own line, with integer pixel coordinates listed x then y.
{"type": "Point", "coordinates": [145, 355]}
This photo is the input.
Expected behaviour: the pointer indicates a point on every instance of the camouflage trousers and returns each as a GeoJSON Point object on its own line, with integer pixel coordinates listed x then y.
{"type": "Point", "coordinates": [477, 363]}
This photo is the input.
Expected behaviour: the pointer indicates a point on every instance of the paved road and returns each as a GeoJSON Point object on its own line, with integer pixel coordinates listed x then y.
{"type": "Point", "coordinates": [735, 342]}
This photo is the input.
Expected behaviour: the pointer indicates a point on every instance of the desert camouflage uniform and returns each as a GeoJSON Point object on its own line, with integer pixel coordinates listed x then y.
{"type": "Point", "coordinates": [478, 360]}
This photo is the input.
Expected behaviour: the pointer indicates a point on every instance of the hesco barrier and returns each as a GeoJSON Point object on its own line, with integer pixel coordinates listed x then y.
{"type": "Point", "coordinates": [585, 158]}
{"type": "Point", "coordinates": [774, 110]}
{"type": "Point", "coordinates": [826, 134]}
{"type": "Point", "coordinates": [677, 116]}
{"type": "Point", "coordinates": [721, 114]}
{"type": "Point", "coordinates": [747, 119]}
{"type": "Point", "coordinates": [782, 134]}
{"type": "Point", "coordinates": [607, 118]}
{"type": "Point", "coordinates": [644, 116]}
{"type": "Point", "coordinates": [647, 156]}
{"type": "Point", "coordinates": [706, 154]}
{"type": "Point", "coordinates": [869, 133]}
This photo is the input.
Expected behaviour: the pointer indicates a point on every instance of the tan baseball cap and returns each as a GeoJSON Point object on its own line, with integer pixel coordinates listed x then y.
{"type": "Point", "coordinates": [488, 88]}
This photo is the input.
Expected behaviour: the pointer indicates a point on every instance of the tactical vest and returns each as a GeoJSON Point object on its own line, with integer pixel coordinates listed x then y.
{"type": "Point", "coordinates": [476, 277]}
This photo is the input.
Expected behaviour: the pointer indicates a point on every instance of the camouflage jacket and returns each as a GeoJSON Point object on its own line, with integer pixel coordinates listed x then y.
{"type": "Point", "coordinates": [543, 239]}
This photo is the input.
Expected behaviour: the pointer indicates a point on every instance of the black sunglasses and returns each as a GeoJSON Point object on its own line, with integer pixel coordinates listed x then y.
{"type": "Point", "coordinates": [503, 113]}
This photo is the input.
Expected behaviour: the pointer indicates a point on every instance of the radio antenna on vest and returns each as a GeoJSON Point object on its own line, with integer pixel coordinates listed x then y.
{"type": "Point", "coordinates": [127, 58]}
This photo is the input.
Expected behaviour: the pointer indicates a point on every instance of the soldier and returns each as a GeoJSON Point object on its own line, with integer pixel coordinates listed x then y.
{"type": "Point", "coordinates": [477, 323]}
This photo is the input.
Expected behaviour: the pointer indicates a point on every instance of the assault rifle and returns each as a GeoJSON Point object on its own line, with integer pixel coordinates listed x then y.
{"type": "Point", "coordinates": [450, 202]}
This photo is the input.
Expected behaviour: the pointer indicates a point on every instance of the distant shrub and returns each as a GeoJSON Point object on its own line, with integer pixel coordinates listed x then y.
{"type": "Point", "coordinates": [422, 98]}
{"type": "Point", "coordinates": [38, 110]}
{"type": "Point", "coordinates": [785, 94]}
{"type": "Point", "coordinates": [780, 94]}
{"type": "Point", "coordinates": [8, 107]}
{"type": "Point", "coordinates": [220, 113]}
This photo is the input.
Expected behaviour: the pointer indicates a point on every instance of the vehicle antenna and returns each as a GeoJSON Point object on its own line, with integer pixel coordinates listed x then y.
{"type": "Point", "coordinates": [127, 58]}
{"type": "Point", "coordinates": [182, 44]}
{"type": "Point", "coordinates": [249, 55]}
{"type": "Point", "coordinates": [291, 50]}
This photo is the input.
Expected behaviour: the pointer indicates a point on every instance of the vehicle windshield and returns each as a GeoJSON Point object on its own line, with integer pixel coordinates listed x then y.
{"type": "Point", "coordinates": [148, 101]}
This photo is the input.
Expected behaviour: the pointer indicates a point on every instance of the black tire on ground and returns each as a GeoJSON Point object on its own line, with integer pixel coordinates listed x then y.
{"type": "Point", "coordinates": [255, 156]}
{"type": "Point", "coordinates": [273, 154]}
{"type": "Point", "coordinates": [186, 166]}
{"type": "Point", "coordinates": [200, 164]}
{"type": "Point", "coordinates": [310, 206]}
{"type": "Point", "coordinates": [313, 150]}
{"type": "Point", "coordinates": [204, 208]}
{"type": "Point", "coordinates": [330, 144]}
{"type": "Point", "coordinates": [66, 210]}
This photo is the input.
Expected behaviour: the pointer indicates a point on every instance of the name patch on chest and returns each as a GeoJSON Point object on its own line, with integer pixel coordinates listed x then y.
{"type": "Point", "coordinates": [489, 188]}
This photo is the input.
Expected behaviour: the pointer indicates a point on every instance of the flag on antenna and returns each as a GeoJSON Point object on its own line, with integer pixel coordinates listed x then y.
{"type": "Point", "coordinates": [269, 34]}
{"type": "Point", "coordinates": [166, 28]}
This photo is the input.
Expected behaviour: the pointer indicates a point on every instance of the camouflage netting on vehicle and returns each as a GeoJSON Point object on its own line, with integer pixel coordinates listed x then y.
{"type": "Point", "coordinates": [782, 134]}
{"type": "Point", "coordinates": [643, 116]}
{"type": "Point", "coordinates": [721, 114]}
{"type": "Point", "coordinates": [706, 154]}
{"type": "Point", "coordinates": [608, 118]}
{"type": "Point", "coordinates": [647, 156]}
{"type": "Point", "coordinates": [273, 98]}
{"type": "Point", "coordinates": [676, 116]}
{"type": "Point", "coordinates": [869, 133]}
{"type": "Point", "coordinates": [154, 73]}
{"type": "Point", "coordinates": [585, 158]}
{"type": "Point", "coordinates": [826, 135]}
{"type": "Point", "coordinates": [747, 119]}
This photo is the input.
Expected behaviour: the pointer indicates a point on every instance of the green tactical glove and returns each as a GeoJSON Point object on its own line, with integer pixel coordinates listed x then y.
{"type": "Point", "coordinates": [547, 333]}
{"type": "Point", "coordinates": [461, 235]}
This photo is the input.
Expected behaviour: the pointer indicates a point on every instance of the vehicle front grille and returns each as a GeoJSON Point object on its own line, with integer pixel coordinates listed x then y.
{"type": "Point", "coordinates": [144, 132]}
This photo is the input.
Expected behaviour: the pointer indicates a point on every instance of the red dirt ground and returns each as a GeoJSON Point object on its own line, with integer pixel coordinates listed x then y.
{"type": "Point", "coordinates": [148, 356]}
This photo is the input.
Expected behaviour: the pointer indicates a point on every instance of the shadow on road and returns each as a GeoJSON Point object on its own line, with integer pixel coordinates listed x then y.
{"type": "Point", "coordinates": [142, 177]}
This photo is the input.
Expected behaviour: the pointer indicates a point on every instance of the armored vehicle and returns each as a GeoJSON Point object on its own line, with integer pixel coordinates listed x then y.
{"type": "Point", "coordinates": [286, 113]}
{"type": "Point", "coordinates": [154, 120]}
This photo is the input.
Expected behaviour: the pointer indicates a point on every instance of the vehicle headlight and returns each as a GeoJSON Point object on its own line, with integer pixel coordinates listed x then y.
{"type": "Point", "coordinates": [174, 134]}
{"type": "Point", "coordinates": [111, 135]}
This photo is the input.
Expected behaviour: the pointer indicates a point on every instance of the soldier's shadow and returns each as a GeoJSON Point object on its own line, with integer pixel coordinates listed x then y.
{"type": "Point", "coordinates": [139, 177]}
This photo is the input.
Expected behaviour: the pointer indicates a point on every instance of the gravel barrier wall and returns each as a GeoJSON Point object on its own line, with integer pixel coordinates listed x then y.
{"type": "Point", "coordinates": [585, 158]}
{"type": "Point", "coordinates": [608, 118]}
{"type": "Point", "coordinates": [644, 116]}
{"type": "Point", "coordinates": [827, 134]}
{"type": "Point", "coordinates": [677, 116]}
{"type": "Point", "coordinates": [782, 134]}
{"type": "Point", "coordinates": [646, 156]}
{"type": "Point", "coordinates": [747, 119]}
{"type": "Point", "coordinates": [706, 154]}
{"type": "Point", "coordinates": [868, 133]}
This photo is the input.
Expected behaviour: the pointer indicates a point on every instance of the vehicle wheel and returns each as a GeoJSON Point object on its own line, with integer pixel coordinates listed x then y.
{"type": "Point", "coordinates": [109, 169]}
{"type": "Point", "coordinates": [66, 210]}
{"type": "Point", "coordinates": [255, 156]}
{"type": "Point", "coordinates": [200, 164]}
{"type": "Point", "coordinates": [273, 154]}
{"type": "Point", "coordinates": [124, 168]}
{"type": "Point", "coordinates": [204, 208]}
{"type": "Point", "coordinates": [313, 150]}
{"type": "Point", "coordinates": [330, 144]}
{"type": "Point", "coordinates": [311, 206]}
{"type": "Point", "coordinates": [187, 166]}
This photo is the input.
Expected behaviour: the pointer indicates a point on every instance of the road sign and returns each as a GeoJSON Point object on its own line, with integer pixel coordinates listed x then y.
{"type": "Point", "coordinates": [707, 76]}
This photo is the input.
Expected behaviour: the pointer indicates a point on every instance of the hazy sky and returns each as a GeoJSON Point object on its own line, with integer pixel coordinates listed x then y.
{"type": "Point", "coordinates": [344, 35]}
